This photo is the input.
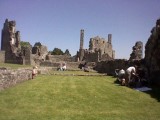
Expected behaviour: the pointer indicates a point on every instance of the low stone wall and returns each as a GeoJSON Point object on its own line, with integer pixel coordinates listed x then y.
{"type": "Point", "coordinates": [110, 66]}
{"type": "Point", "coordinates": [58, 58]}
{"type": "Point", "coordinates": [70, 65]}
{"type": "Point", "coordinates": [10, 78]}
{"type": "Point", "coordinates": [2, 56]}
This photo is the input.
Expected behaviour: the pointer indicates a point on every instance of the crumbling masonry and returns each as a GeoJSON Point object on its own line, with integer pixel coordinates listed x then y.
{"type": "Point", "coordinates": [99, 49]}
{"type": "Point", "coordinates": [10, 43]}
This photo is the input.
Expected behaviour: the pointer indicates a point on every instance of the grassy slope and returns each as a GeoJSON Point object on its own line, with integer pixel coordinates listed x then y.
{"type": "Point", "coordinates": [76, 98]}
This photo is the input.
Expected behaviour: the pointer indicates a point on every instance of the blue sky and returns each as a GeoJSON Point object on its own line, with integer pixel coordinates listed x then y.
{"type": "Point", "coordinates": [57, 23]}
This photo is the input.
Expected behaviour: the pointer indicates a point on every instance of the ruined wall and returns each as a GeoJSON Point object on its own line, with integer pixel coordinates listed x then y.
{"type": "Point", "coordinates": [2, 56]}
{"type": "Point", "coordinates": [110, 66]}
{"type": "Point", "coordinates": [26, 51]}
{"type": "Point", "coordinates": [55, 65]}
{"type": "Point", "coordinates": [91, 57]}
{"type": "Point", "coordinates": [100, 44]}
{"type": "Point", "coordinates": [97, 48]}
{"type": "Point", "coordinates": [59, 58]}
{"type": "Point", "coordinates": [152, 54]}
{"type": "Point", "coordinates": [10, 78]}
{"type": "Point", "coordinates": [10, 43]}
{"type": "Point", "coordinates": [137, 53]}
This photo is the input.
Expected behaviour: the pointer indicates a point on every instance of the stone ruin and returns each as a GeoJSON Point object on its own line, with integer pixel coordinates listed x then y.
{"type": "Point", "coordinates": [13, 52]}
{"type": "Point", "coordinates": [152, 54]}
{"type": "Point", "coordinates": [99, 49]}
{"type": "Point", "coordinates": [137, 53]}
{"type": "Point", "coordinates": [10, 43]}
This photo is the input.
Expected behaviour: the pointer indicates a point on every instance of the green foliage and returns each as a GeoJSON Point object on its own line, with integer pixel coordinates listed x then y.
{"type": "Point", "coordinates": [76, 98]}
{"type": "Point", "coordinates": [57, 51]}
{"type": "Point", "coordinates": [67, 52]}
{"type": "Point", "coordinates": [37, 44]}
{"type": "Point", "coordinates": [25, 44]}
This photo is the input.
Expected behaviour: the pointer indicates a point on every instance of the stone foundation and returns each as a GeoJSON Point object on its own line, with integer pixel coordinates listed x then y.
{"type": "Point", "coordinates": [10, 78]}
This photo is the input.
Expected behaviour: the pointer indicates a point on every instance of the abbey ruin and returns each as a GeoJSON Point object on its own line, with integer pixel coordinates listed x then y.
{"type": "Point", "coordinates": [100, 54]}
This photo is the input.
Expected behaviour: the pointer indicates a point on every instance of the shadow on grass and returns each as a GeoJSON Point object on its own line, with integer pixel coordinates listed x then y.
{"type": "Point", "coordinates": [154, 93]}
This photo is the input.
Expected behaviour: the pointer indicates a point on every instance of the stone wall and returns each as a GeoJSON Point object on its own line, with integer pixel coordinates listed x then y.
{"type": "Point", "coordinates": [110, 66]}
{"type": "Point", "coordinates": [10, 78]}
{"type": "Point", "coordinates": [137, 53]}
{"type": "Point", "coordinates": [2, 56]}
{"type": "Point", "coordinates": [59, 58]}
{"type": "Point", "coordinates": [70, 65]}
{"type": "Point", "coordinates": [152, 54]}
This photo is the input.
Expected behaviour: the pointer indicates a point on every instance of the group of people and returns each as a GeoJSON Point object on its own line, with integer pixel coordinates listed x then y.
{"type": "Point", "coordinates": [84, 67]}
{"type": "Point", "coordinates": [128, 77]}
{"type": "Point", "coordinates": [62, 67]}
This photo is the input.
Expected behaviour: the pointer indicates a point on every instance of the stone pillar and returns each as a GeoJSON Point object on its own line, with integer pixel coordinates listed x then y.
{"type": "Point", "coordinates": [81, 38]}
{"type": "Point", "coordinates": [81, 50]}
{"type": "Point", "coordinates": [18, 40]}
{"type": "Point", "coordinates": [110, 38]}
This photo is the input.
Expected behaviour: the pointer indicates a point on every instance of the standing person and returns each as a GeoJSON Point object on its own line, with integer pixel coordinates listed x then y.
{"type": "Point", "coordinates": [34, 71]}
{"type": "Point", "coordinates": [129, 73]}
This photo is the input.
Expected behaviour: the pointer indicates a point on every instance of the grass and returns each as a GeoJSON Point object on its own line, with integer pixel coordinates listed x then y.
{"type": "Point", "coordinates": [14, 66]}
{"type": "Point", "coordinates": [76, 98]}
{"type": "Point", "coordinates": [80, 72]}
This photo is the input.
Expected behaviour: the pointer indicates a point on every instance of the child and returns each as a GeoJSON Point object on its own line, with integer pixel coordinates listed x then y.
{"type": "Point", "coordinates": [34, 71]}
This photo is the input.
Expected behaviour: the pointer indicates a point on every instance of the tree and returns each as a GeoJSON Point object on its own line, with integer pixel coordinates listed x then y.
{"type": "Point", "coordinates": [25, 44]}
{"type": "Point", "coordinates": [37, 44]}
{"type": "Point", "coordinates": [67, 52]}
{"type": "Point", "coordinates": [57, 51]}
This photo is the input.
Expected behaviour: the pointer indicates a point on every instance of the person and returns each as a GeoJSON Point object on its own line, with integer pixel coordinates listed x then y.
{"type": "Point", "coordinates": [34, 71]}
{"type": "Point", "coordinates": [130, 72]}
{"type": "Point", "coordinates": [59, 67]}
{"type": "Point", "coordinates": [121, 76]}
{"type": "Point", "coordinates": [64, 67]}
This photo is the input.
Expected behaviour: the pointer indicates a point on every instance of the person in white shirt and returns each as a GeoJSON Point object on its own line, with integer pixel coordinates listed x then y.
{"type": "Point", "coordinates": [129, 73]}
{"type": "Point", "coordinates": [121, 77]}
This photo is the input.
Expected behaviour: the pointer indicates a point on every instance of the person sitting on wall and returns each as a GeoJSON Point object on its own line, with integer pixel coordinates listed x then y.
{"type": "Point", "coordinates": [34, 71]}
{"type": "Point", "coordinates": [64, 67]}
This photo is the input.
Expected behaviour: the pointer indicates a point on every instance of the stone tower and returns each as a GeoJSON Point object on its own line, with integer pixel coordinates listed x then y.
{"type": "Point", "coordinates": [81, 39]}
{"type": "Point", "coordinates": [81, 50]}
{"type": "Point", "coordinates": [110, 38]}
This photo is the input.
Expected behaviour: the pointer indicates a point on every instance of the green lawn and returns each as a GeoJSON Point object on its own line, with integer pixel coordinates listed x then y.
{"type": "Point", "coordinates": [14, 66]}
{"type": "Point", "coordinates": [53, 97]}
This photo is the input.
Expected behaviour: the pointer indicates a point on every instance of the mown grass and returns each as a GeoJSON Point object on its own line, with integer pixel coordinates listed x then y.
{"type": "Point", "coordinates": [70, 72]}
{"type": "Point", "coordinates": [50, 97]}
{"type": "Point", "coordinates": [14, 66]}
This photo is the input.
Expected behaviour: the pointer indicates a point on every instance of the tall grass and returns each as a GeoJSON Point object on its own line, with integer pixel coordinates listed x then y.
{"type": "Point", "coordinates": [76, 98]}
